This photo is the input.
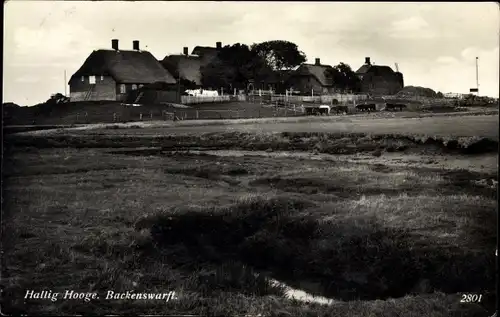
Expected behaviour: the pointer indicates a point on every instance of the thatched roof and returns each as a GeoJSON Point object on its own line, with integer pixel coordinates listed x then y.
{"type": "Point", "coordinates": [375, 69]}
{"type": "Point", "coordinates": [203, 50]}
{"type": "Point", "coordinates": [188, 67]}
{"type": "Point", "coordinates": [318, 71]}
{"type": "Point", "coordinates": [127, 67]}
{"type": "Point", "coordinates": [206, 54]}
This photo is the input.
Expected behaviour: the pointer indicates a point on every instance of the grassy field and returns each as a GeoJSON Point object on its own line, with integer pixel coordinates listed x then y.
{"type": "Point", "coordinates": [110, 111]}
{"type": "Point", "coordinates": [98, 210]}
{"type": "Point", "coordinates": [107, 112]}
{"type": "Point", "coordinates": [438, 126]}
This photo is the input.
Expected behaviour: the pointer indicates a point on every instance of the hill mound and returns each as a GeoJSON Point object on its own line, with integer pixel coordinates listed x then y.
{"type": "Point", "coordinates": [417, 91]}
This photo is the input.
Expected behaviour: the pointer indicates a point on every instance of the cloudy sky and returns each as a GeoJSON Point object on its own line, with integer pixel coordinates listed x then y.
{"type": "Point", "coordinates": [435, 44]}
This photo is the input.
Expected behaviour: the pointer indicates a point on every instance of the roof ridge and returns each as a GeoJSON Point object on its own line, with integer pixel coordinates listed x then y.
{"type": "Point", "coordinates": [312, 64]}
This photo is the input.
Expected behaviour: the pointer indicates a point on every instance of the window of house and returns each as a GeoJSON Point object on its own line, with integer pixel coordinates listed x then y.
{"type": "Point", "coordinates": [91, 80]}
{"type": "Point", "coordinates": [134, 86]}
{"type": "Point", "coordinates": [122, 88]}
{"type": "Point", "coordinates": [83, 78]}
{"type": "Point", "coordinates": [102, 77]}
{"type": "Point", "coordinates": [141, 85]}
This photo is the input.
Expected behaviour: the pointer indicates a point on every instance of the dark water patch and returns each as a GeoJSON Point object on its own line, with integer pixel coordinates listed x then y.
{"type": "Point", "coordinates": [482, 146]}
{"type": "Point", "coordinates": [381, 168]}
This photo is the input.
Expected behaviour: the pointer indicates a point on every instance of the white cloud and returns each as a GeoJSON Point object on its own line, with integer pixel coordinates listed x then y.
{"type": "Point", "coordinates": [415, 23]}
{"type": "Point", "coordinates": [434, 44]}
{"type": "Point", "coordinates": [458, 75]}
{"type": "Point", "coordinates": [414, 27]}
{"type": "Point", "coordinates": [447, 60]}
{"type": "Point", "coordinates": [28, 79]}
{"type": "Point", "coordinates": [57, 41]}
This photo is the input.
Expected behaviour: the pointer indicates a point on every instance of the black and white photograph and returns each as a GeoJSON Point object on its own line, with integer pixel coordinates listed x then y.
{"type": "Point", "coordinates": [271, 159]}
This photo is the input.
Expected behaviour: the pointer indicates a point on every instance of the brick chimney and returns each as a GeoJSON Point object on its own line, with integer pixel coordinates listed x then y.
{"type": "Point", "coordinates": [317, 62]}
{"type": "Point", "coordinates": [186, 52]}
{"type": "Point", "coordinates": [367, 61]}
{"type": "Point", "coordinates": [218, 45]}
{"type": "Point", "coordinates": [135, 45]}
{"type": "Point", "coordinates": [114, 44]}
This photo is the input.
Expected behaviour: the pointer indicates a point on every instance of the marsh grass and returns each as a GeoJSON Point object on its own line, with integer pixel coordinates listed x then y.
{"type": "Point", "coordinates": [298, 247]}
{"type": "Point", "coordinates": [87, 219]}
{"type": "Point", "coordinates": [330, 143]}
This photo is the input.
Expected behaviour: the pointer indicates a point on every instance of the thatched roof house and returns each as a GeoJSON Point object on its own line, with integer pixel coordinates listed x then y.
{"type": "Point", "coordinates": [109, 74]}
{"type": "Point", "coordinates": [189, 66]}
{"type": "Point", "coordinates": [311, 77]}
{"type": "Point", "coordinates": [185, 66]}
{"type": "Point", "coordinates": [207, 53]}
{"type": "Point", "coordinates": [377, 79]}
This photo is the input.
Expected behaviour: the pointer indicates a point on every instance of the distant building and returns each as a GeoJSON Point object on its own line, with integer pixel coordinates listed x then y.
{"type": "Point", "coordinates": [311, 78]}
{"type": "Point", "coordinates": [110, 74]}
{"type": "Point", "coordinates": [380, 80]}
{"type": "Point", "coordinates": [189, 66]}
{"type": "Point", "coordinates": [453, 95]}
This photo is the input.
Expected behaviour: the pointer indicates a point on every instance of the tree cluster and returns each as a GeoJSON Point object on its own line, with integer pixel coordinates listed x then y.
{"type": "Point", "coordinates": [234, 67]}
{"type": "Point", "coordinates": [237, 65]}
{"type": "Point", "coordinates": [344, 78]}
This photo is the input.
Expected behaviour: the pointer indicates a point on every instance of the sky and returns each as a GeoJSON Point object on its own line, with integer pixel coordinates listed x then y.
{"type": "Point", "coordinates": [434, 44]}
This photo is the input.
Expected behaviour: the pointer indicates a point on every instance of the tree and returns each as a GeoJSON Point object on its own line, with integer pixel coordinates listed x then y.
{"type": "Point", "coordinates": [279, 55]}
{"type": "Point", "coordinates": [439, 94]}
{"type": "Point", "coordinates": [217, 74]}
{"type": "Point", "coordinates": [187, 84]}
{"type": "Point", "coordinates": [343, 77]}
{"type": "Point", "coordinates": [234, 66]}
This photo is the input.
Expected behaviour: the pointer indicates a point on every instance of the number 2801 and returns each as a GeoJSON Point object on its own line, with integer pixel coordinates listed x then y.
{"type": "Point", "coordinates": [471, 298]}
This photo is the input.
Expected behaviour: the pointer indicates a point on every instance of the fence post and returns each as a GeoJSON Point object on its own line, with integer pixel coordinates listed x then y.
{"type": "Point", "coordinates": [140, 116]}
{"type": "Point", "coordinates": [197, 115]}
{"type": "Point", "coordinates": [114, 116]}
{"type": "Point", "coordinates": [77, 117]}
{"type": "Point", "coordinates": [151, 115]}
{"type": "Point", "coordinates": [86, 117]}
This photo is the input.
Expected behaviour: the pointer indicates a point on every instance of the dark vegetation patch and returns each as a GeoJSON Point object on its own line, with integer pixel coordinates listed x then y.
{"type": "Point", "coordinates": [212, 170]}
{"type": "Point", "coordinates": [465, 181]}
{"type": "Point", "coordinates": [349, 261]}
{"type": "Point", "coordinates": [381, 168]}
{"type": "Point", "coordinates": [346, 187]}
{"type": "Point", "coordinates": [304, 185]}
{"type": "Point", "coordinates": [331, 143]}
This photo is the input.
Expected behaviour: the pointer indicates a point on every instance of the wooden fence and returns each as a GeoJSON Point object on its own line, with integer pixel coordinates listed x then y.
{"type": "Point", "coordinates": [260, 112]}
{"type": "Point", "coordinates": [189, 100]}
{"type": "Point", "coordinates": [321, 99]}
{"type": "Point", "coordinates": [346, 99]}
